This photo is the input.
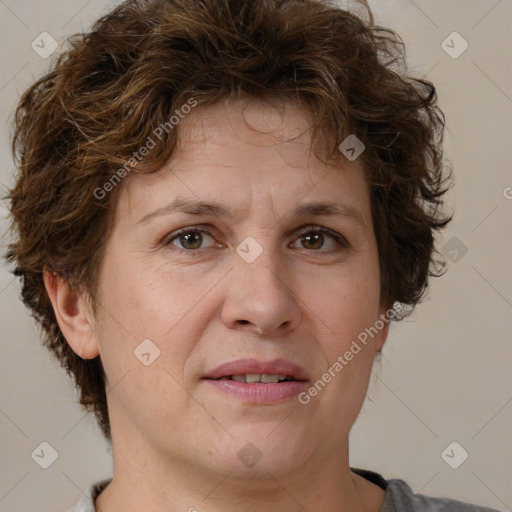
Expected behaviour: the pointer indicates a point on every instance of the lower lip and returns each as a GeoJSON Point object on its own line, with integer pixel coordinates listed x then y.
{"type": "Point", "coordinates": [255, 393]}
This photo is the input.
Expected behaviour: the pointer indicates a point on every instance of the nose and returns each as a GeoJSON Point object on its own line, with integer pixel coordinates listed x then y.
{"type": "Point", "coordinates": [259, 297]}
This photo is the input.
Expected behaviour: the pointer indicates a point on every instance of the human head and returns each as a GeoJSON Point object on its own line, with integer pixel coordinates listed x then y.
{"type": "Point", "coordinates": [81, 123]}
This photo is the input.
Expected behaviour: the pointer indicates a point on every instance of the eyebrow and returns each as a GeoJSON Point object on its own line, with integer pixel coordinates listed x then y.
{"type": "Point", "coordinates": [213, 208]}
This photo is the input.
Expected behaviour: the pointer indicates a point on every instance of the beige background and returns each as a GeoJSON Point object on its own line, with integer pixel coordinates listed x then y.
{"type": "Point", "coordinates": [446, 371]}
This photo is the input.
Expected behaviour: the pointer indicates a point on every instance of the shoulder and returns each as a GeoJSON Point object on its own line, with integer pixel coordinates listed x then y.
{"type": "Point", "coordinates": [400, 498]}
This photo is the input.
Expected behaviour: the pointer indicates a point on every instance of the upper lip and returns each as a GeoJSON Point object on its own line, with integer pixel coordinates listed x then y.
{"type": "Point", "coordinates": [255, 366]}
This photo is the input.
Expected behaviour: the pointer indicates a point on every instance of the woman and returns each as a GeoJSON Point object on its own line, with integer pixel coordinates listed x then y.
{"type": "Point", "coordinates": [220, 207]}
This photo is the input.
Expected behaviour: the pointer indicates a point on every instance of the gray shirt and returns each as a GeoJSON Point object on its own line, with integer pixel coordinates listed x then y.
{"type": "Point", "coordinates": [399, 497]}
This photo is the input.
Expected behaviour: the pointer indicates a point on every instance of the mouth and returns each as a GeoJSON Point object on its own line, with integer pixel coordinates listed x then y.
{"type": "Point", "coordinates": [258, 382]}
{"type": "Point", "coordinates": [262, 378]}
{"type": "Point", "coordinates": [256, 371]}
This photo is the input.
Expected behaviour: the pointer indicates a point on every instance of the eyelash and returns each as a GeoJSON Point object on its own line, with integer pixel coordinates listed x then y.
{"type": "Point", "coordinates": [306, 230]}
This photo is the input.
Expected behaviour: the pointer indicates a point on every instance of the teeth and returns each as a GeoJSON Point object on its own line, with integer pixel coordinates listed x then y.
{"type": "Point", "coordinates": [269, 378]}
{"type": "Point", "coordinates": [255, 377]}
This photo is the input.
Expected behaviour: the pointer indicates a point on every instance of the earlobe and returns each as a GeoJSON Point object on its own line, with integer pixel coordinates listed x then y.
{"type": "Point", "coordinates": [383, 334]}
{"type": "Point", "coordinates": [383, 331]}
{"type": "Point", "coordinates": [73, 315]}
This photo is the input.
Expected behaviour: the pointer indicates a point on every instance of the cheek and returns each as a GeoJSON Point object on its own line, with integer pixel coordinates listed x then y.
{"type": "Point", "coordinates": [138, 299]}
{"type": "Point", "coordinates": [344, 309]}
{"type": "Point", "coordinates": [138, 304]}
{"type": "Point", "coordinates": [348, 301]}
{"type": "Point", "coordinates": [140, 323]}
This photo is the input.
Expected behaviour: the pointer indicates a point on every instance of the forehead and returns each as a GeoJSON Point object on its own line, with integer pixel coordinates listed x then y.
{"type": "Point", "coordinates": [269, 122]}
{"type": "Point", "coordinates": [246, 154]}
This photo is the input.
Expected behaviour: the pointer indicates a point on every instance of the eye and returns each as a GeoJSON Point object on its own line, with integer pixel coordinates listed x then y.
{"type": "Point", "coordinates": [314, 237]}
{"type": "Point", "coordinates": [190, 239]}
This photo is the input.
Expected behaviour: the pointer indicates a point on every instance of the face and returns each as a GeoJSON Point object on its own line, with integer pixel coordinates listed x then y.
{"type": "Point", "coordinates": [261, 281]}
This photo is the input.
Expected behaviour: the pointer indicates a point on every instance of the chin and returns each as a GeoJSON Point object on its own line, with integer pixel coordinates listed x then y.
{"type": "Point", "coordinates": [263, 451]}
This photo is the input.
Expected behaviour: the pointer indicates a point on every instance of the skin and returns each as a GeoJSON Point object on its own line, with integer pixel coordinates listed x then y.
{"type": "Point", "coordinates": [175, 438]}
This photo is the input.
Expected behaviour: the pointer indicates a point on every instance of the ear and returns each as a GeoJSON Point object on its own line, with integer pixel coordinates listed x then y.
{"type": "Point", "coordinates": [380, 339]}
{"type": "Point", "coordinates": [73, 315]}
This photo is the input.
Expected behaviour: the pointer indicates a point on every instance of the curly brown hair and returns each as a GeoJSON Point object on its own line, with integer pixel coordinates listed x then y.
{"type": "Point", "coordinates": [78, 125]}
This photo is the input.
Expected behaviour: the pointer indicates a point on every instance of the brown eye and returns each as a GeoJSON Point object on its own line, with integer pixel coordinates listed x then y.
{"type": "Point", "coordinates": [314, 238]}
{"type": "Point", "coordinates": [314, 241]}
{"type": "Point", "coordinates": [189, 239]}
